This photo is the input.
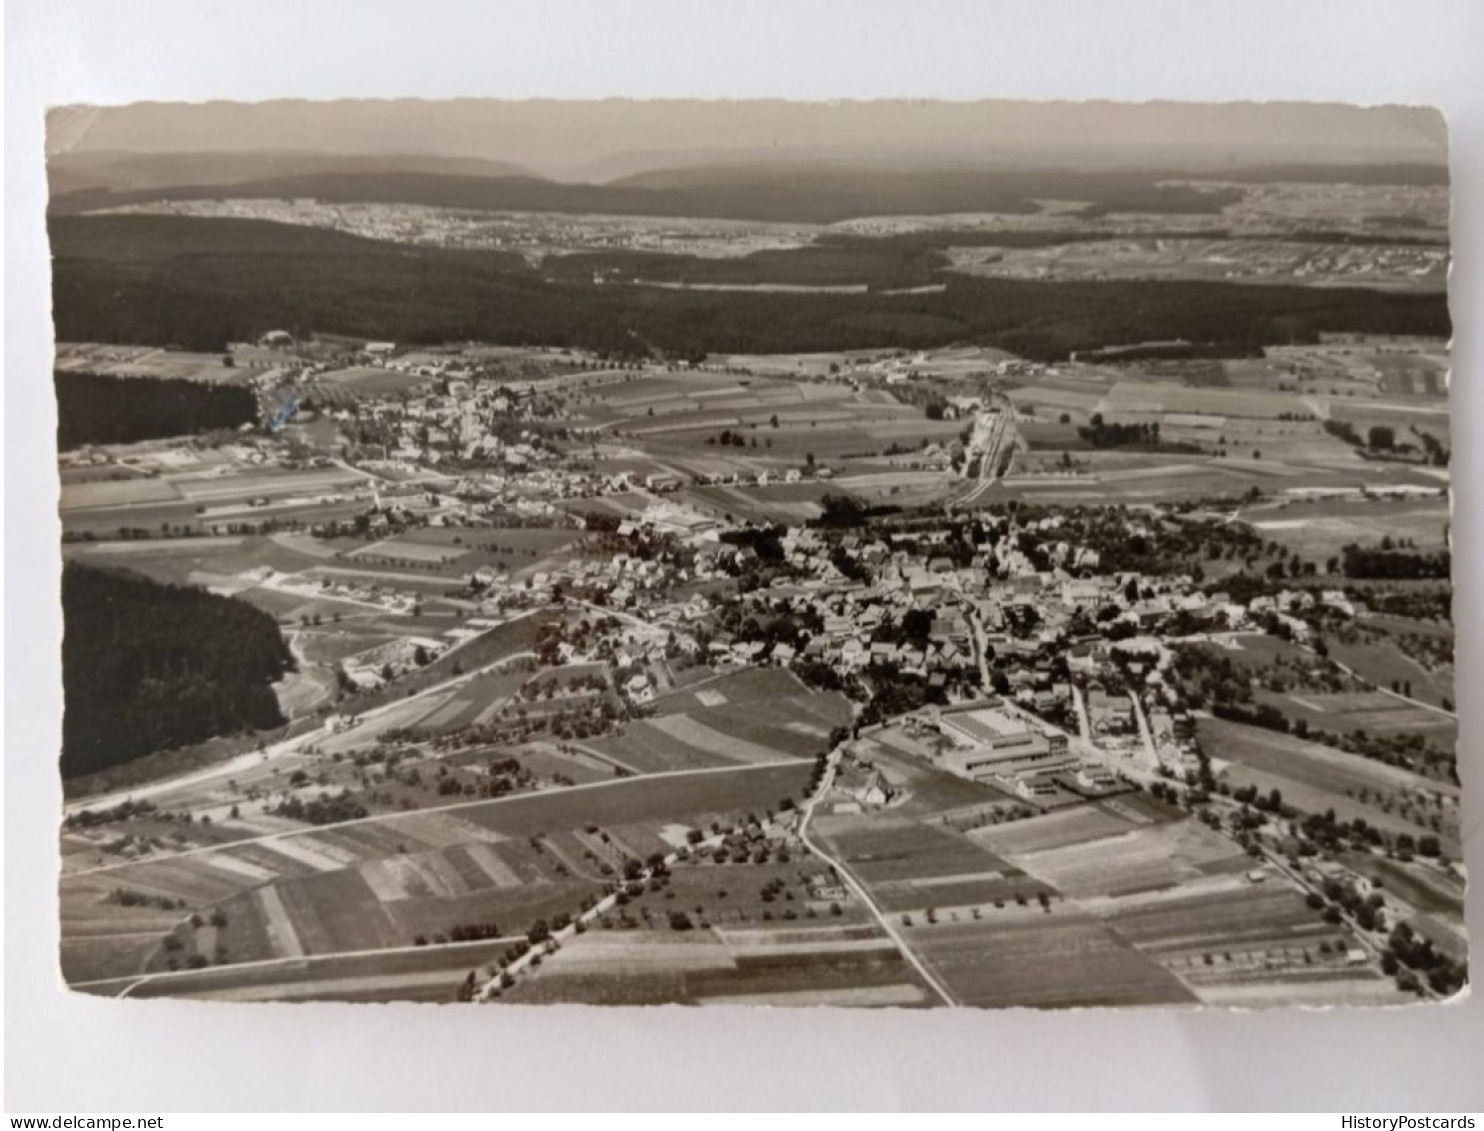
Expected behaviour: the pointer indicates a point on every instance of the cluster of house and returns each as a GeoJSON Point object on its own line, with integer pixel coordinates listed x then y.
{"type": "Point", "coordinates": [1023, 618]}
{"type": "Point", "coordinates": [1043, 632]}
{"type": "Point", "coordinates": [463, 422]}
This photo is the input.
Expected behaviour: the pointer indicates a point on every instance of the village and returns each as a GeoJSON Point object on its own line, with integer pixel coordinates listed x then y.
{"type": "Point", "coordinates": [1064, 675]}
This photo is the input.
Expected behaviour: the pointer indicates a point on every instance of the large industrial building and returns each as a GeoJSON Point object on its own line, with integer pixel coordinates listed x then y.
{"type": "Point", "coordinates": [988, 741]}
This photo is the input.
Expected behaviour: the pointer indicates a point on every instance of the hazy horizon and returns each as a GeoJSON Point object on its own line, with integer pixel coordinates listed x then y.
{"type": "Point", "coordinates": [595, 140]}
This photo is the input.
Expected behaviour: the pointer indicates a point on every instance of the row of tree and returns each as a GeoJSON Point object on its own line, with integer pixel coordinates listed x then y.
{"type": "Point", "coordinates": [1364, 562]}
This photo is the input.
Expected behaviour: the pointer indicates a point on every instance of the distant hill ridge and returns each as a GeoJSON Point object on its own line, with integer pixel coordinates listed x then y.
{"type": "Point", "coordinates": [780, 191]}
{"type": "Point", "coordinates": [128, 172]}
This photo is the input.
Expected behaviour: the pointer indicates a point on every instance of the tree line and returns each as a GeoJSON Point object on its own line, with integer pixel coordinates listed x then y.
{"type": "Point", "coordinates": [1395, 565]}
{"type": "Point", "coordinates": [1100, 433]}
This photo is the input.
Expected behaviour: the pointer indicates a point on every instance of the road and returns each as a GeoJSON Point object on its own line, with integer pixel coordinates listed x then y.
{"type": "Point", "coordinates": [1297, 878]}
{"type": "Point", "coordinates": [619, 614]}
{"type": "Point", "coordinates": [1084, 726]}
{"type": "Point", "coordinates": [981, 648]}
{"type": "Point", "coordinates": [1145, 737]}
{"type": "Point", "coordinates": [826, 781]}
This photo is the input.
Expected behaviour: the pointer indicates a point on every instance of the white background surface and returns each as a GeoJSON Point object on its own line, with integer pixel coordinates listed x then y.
{"type": "Point", "coordinates": [72, 1053]}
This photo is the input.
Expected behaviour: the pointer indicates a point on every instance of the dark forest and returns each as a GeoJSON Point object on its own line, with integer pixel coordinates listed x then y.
{"type": "Point", "coordinates": [147, 666]}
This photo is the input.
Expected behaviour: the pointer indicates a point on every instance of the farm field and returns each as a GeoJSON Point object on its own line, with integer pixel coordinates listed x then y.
{"type": "Point", "coordinates": [1311, 763]}
{"type": "Point", "coordinates": [511, 638]}
{"type": "Point", "coordinates": [454, 552]}
{"type": "Point", "coordinates": [700, 796]}
{"type": "Point", "coordinates": [426, 974]}
{"type": "Point", "coordinates": [270, 481]}
{"type": "Point", "coordinates": [342, 911]}
{"type": "Point", "coordinates": [649, 968]}
{"type": "Point", "coordinates": [677, 423]}
{"type": "Point", "coordinates": [1155, 479]}
{"type": "Point", "coordinates": [1079, 400]}
{"type": "Point", "coordinates": [101, 937]}
{"type": "Point", "coordinates": [1383, 664]}
{"type": "Point", "coordinates": [483, 700]}
{"type": "Point", "coordinates": [127, 361]}
{"type": "Point", "coordinates": [1371, 711]}
{"type": "Point", "coordinates": [1421, 885]}
{"type": "Point", "coordinates": [472, 703]}
{"type": "Point", "coordinates": [753, 685]}
{"type": "Point", "coordinates": [910, 867]}
{"type": "Point", "coordinates": [717, 723]}
{"type": "Point", "coordinates": [1260, 989]}
{"type": "Point", "coordinates": [758, 901]}
{"type": "Point", "coordinates": [117, 493]}
{"type": "Point", "coordinates": [1044, 960]}
{"type": "Point", "coordinates": [417, 553]}
{"type": "Point", "coordinates": [383, 881]}
{"type": "Point", "coordinates": [1314, 779]}
{"type": "Point", "coordinates": [1254, 651]}
{"type": "Point", "coordinates": [1231, 917]}
{"type": "Point", "coordinates": [1248, 944]}
{"type": "Point", "coordinates": [1422, 371]}
{"type": "Point", "coordinates": [345, 640]}
{"type": "Point", "coordinates": [644, 749]}
{"type": "Point", "coordinates": [1400, 414]}
{"type": "Point", "coordinates": [1143, 397]}
{"type": "Point", "coordinates": [371, 381]}
{"type": "Point", "coordinates": [1320, 529]}
{"type": "Point", "coordinates": [792, 503]}
{"type": "Point", "coordinates": [1078, 824]}
{"type": "Point", "coordinates": [1146, 858]}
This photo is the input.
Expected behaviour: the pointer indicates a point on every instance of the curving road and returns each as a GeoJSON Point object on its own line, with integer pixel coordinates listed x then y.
{"type": "Point", "coordinates": [826, 781]}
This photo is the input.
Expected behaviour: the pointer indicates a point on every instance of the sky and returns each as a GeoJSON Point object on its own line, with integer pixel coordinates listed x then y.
{"type": "Point", "coordinates": [593, 140]}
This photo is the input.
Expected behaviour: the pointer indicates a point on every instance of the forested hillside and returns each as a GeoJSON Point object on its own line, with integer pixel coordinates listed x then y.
{"type": "Point", "coordinates": [93, 409]}
{"type": "Point", "coordinates": [201, 283]}
{"type": "Point", "coordinates": [147, 666]}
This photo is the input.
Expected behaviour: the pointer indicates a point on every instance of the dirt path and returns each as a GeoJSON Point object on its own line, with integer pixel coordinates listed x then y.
{"type": "Point", "coordinates": [310, 684]}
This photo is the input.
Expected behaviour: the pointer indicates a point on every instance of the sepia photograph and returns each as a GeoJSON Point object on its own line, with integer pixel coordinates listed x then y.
{"type": "Point", "coordinates": [896, 554]}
